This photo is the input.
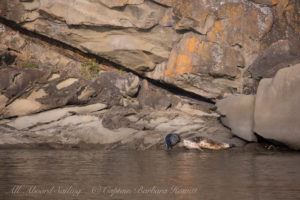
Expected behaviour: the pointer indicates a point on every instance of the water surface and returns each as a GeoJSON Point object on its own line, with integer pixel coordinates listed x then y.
{"type": "Point", "coordinates": [96, 174]}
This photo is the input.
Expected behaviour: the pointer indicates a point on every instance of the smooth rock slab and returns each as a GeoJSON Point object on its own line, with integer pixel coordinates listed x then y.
{"type": "Point", "coordinates": [238, 112]}
{"type": "Point", "coordinates": [277, 108]}
{"type": "Point", "coordinates": [26, 122]}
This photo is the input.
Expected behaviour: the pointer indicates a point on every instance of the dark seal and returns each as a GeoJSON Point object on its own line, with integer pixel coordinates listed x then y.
{"type": "Point", "coordinates": [172, 139]}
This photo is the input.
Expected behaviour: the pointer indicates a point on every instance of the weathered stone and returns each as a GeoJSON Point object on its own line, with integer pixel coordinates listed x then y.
{"type": "Point", "coordinates": [86, 93]}
{"type": "Point", "coordinates": [13, 81]}
{"type": "Point", "coordinates": [116, 117]}
{"type": "Point", "coordinates": [210, 66]}
{"type": "Point", "coordinates": [28, 50]}
{"type": "Point", "coordinates": [194, 55]}
{"type": "Point", "coordinates": [3, 101]}
{"type": "Point", "coordinates": [195, 15]}
{"type": "Point", "coordinates": [27, 122]}
{"type": "Point", "coordinates": [145, 15]}
{"type": "Point", "coordinates": [279, 55]}
{"type": "Point", "coordinates": [66, 83]}
{"type": "Point", "coordinates": [165, 2]}
{"type": "Point", "coordinates": [238, 114]}
{"type": "Point", "coordinates": [141, 35]}
{"type": "Point", "coordinates": [128, 84]}
{"type": "Point", "coordinates": [130, 47]}
{"type": "Point", "coordinates": [242, 18]}
{"type": "Point", "coordinates": [118, 127]}
{"type": "Point", "coordinates": [154, 97]}
{"type": "Point", "coordinates": [194, 111]}
{"type": "Point", "coordinates": [113, 86]}
{"type": "Point", "coordinates": [266, 2]}
{"type": "Point", "coordinates": [286, 24]}
{"type": "Point", "coordinates": [217, 39]}
{"type": "Point", "coordinates": [29, 91]}
{"type": "Point", "coordinates": [120, 3]}
{"type": "Point", "coordinates": [277, 108]}
{"type": "Point", "coordinates": [168, 19]}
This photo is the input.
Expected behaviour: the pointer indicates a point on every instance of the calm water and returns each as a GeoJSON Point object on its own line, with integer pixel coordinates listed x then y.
{"type": "Point", "coordinates": [94, 174]}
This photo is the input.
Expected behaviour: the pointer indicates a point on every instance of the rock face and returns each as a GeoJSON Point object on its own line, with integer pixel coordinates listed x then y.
{"type": "Point", "coordinates": [117, 127]}
{"type": "Point", "coordinates": [277, 107]}
{"type": "Point", "coordinates": [279, 55]}
{"type": "Point", "coordinates": [200, 46]}
{"type": "Point", "coordinates": [28, 91]}
{"type": "Point", "coordinates": [41, 106]}
{"type": "Point", "coordinates": [238, 114]}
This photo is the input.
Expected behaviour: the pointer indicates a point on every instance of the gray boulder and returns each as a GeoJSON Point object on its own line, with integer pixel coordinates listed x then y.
{"type": "Point", "coordinates": [277, 108]}
{"type": "Point", "coordinates": [238, 111]}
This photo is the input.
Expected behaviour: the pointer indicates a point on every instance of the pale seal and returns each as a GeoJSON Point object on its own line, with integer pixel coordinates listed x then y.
{"type": "Point", "coordinates": [205, 143]}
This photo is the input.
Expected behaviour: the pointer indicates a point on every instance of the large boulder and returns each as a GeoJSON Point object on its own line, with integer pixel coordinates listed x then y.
{"type": "Point", "coordinates": [277, 107]}
{"type": "Point", "coordinates": [238, 114]}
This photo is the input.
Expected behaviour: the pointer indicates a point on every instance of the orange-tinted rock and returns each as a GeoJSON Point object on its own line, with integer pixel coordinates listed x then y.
{"type": "Point", "coordinates": [288, 13]}
{"type": "Point", "coordinates": [168, 19]}
{"type": "Point", "coordinates": [266, 2]}
{"type": "Point", "coordinates": [220, 37]}
{"type": "Point", "coordinates": [195, 15]}
{"type": "Point", "coordinates": [241, 23]}
{"type": "Point", "coordinates": [193, 54]}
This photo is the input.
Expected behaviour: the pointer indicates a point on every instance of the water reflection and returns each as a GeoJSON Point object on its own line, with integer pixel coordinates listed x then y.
{"type": "Point", "coordinates": [93, 174]}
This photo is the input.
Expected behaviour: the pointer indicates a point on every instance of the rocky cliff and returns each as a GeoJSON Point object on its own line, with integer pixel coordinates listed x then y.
{"type": "Point", "coordinates": [137, 57]}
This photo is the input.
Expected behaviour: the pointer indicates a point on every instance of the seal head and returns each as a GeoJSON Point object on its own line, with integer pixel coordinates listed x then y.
{"type": "Point", "coordinates": [172, 139]}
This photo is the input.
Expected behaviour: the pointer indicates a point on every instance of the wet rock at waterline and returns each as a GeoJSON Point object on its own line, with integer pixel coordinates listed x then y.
{"type": "Point", "coordinates": [277, 107]}
{"type": "Point", "coordinates": [87, 126]}
{"type": "Point", "coordinates": [237, 113]}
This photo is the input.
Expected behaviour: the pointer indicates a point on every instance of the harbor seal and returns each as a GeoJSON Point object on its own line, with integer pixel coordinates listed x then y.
{"type": "Point", "coordinates": [205, 143]}
{"type": "Point", "coordinates": [172, 139]}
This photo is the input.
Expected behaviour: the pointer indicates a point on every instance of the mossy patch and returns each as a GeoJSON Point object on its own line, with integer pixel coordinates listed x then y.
{"type": "Point", "coordinates": [90, 69]}
{"type": "Point", "coordinates": [28, 64]}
